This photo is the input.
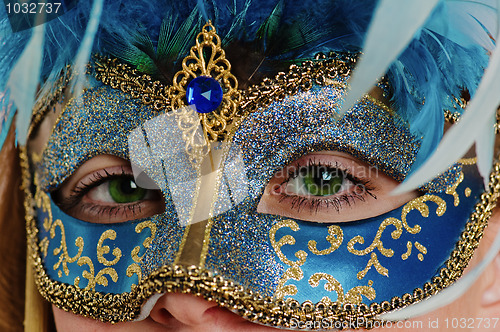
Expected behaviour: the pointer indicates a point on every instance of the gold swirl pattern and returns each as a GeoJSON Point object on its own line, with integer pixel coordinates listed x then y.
{"type": "Point", "coordinates": [373, 262]}
{"type": "Point", "coordinates": [283, 290]}
{"type": "Point", "coordinates": [42, 201]}
{"type": "Point", "coordinates": [99, 279]}
{"type": "Point", "coordinates": [294, 272]}
{"type": "Point", "coordinates": [422, 249]}
{"type": "Point", "coordinates": [287, 239]}
{"type": "Point", "coordinates": [419, 204]}
{"type": "Point", "coordinates": [102, 250]}
{"type": "Point", "coordinates": [335, 238]}
{"type": "Point", "coordinates": [62, 250]}
{"type": "Point", "coordinates": [353, 296]}
{"type": "Point", "coordinates": [408, 251]}
{"type": "Point", "coordinates": [135, 268]}
{"type": "Point", "coordinates": [452, 190]}
{"type": "Point", "coordinates": [44, 246]}
{"type": "Point", "coordinates": [147, 242]}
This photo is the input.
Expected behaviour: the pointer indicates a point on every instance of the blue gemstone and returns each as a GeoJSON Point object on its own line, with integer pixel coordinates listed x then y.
{"type": "Point", "coordinates": [205, 93]}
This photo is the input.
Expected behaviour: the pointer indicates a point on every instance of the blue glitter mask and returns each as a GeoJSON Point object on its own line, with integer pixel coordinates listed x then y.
{"type": "Point", "coordinates": [268, 268]}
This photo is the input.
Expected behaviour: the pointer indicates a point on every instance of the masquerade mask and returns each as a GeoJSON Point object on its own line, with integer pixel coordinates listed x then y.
{"type": "Point", "coordinates": [223, 152]}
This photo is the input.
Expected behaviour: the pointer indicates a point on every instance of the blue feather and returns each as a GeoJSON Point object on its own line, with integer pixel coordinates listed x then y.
{"type": "Point", "coordinates": [23, 82]}
{"type": "Point", "coordinates": [85, 49]}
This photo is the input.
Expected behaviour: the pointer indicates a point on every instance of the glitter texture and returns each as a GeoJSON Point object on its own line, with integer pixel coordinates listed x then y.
{"type": "Point", "coordinates": [240, 240]}
{"type": "Point", "coordinates": [240, 249]}
{"type": "Point", "coordinates": [444, 180]}
{"type": "Point", "coordinates": [308, 121]}
{"type": "Point", "coordinates": [97, 123]}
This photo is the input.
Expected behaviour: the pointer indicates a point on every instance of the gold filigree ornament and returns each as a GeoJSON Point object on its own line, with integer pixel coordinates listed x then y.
{"type": "Point", "coordinates": [207, 58]}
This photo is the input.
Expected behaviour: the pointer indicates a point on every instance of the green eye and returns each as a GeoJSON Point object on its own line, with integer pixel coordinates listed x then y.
{"type": "Point", "coordinates": [124, 190]}
{"type": "Point", "coordinates": [322, 181]}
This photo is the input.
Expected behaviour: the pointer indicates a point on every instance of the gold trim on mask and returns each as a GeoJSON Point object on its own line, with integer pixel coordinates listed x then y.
{"type": "Point", "coordinates": [47, 102]}
{"type": "Point", "coordinates": [218, 125]}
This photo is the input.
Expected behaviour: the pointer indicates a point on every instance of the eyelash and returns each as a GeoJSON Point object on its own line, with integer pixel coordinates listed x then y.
{"type": "Point", "coordinates": [95, 180]}
{"type": "Point", "coordinates": [315, 204]}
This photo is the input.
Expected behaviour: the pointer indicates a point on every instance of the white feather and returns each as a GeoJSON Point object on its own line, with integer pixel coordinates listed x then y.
{"type": "Point", "coordinates": [447, 295]}
{"type": "Point", "coordinates": [485, 145]}
{"type": "Point", "coordinates": [474, 127]}
{"type": "Point", "coordinates": [467, 22]}
{"type": "Point", "coordinates": [393, 26]}
{"type": "Point", "coordinates": [83, 55]}
{"type": "Point", "coordinates": [23, 81]}
{"type": "Point", "coordinates": [484, 11]}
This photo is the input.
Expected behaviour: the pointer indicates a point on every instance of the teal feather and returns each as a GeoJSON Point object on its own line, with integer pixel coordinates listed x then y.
{"type": "Point", "coordinates": [237, 23]}
{"type": "Point", "coordinates": [84, 52]}
{"type": "Point", "coordinates": [269, 28]}
{"type": "Point", "coordinates": [475, 127]}
{"type": "Point", "coordinates": [298, 35]}
{"type": "Point", "coordinates": [172, 44]}
{"type": "Point", "coordinates": [23, 82]}
{"type": "Point", "coordinates": [394, 25]}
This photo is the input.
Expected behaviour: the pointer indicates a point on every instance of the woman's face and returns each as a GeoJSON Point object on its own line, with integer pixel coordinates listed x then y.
{"type": "Point", "coordinates": [185, 312]}
{"type": "Point", "coordinates": [296, 206]}
{"type": "Point", "coordinates": [102, 190]}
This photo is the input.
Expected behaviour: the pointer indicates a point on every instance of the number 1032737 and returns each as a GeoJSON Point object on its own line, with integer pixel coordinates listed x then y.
{"type": "Point", "coordinates": [33, 7]}
{"type": "Point", "coordinates": [471, 323]}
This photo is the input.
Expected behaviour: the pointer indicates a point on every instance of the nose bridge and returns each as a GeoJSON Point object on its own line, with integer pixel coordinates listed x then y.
{"type": "Point", "coordinates": [194, 245]}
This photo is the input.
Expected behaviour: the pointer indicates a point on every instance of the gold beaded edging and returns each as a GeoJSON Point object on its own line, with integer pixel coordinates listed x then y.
{"type": "Point", "coordinates": [323, 70]}
{"type": "Point", "coordinates": [451, 117]}
{"type": "Point", "coordinates": [254, 307]}
{"type": "Point", "coordinates": [123, 77]}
